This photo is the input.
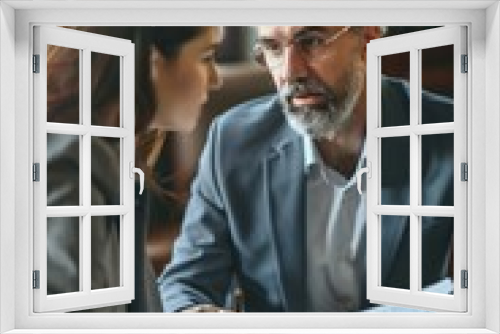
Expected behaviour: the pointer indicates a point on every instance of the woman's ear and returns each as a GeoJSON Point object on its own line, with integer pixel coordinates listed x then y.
{"type": "Point", "coordinates": [154, 62]}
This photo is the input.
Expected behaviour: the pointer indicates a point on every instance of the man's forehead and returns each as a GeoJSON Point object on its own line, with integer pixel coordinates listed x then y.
{"type": "Point", "coordinates": [288, 31]}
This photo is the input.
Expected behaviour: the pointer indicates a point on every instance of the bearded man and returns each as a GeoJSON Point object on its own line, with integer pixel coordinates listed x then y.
{"type": "Point", "coordinates": [274, 206]}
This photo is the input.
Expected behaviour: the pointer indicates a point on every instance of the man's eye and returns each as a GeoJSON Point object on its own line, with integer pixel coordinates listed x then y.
{"type": "Point", "coordinates": [310, 42]}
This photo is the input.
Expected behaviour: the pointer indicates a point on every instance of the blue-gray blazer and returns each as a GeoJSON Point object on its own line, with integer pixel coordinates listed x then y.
{"type": "Point", "coordinates": [246, 215]}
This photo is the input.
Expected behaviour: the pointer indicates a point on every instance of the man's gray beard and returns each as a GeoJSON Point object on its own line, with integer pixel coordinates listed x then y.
{"type": "Point", "coordinates": [325, 124]}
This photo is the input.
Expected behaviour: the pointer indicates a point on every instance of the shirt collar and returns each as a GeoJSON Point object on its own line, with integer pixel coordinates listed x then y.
{"type": "Point", "coordinates": [313, 161]}
{"type": "Point", "coordinates": [310, 153]}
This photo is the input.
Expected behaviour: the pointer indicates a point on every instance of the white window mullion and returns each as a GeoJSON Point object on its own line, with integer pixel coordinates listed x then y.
{"type": "Point", "coordinates": [414, 218]}
{"type": "Point", "coordinates": [80, 211]}
{"type": "Point", "coordinates": [101, 131]}
{"type": "Point", "coordinates": [392, 210]}
{"type": "Point", "coordinates": [434, 211]}
{"type": "Point", "coordinates": [433, 129]}
{"type": "Point", "coordinates": [80, 131]}
{"type": "Point", "coordinates": [67, 129]}
{"type": "Point", "coordinates": [378, 250]}
{"type": "Point", "coordinates": [393, 131]}
{"type": "Point", "coordinates": [86, 168]}
{"type": "Point", "coordinates": [85, 254]}
{"type": "Point", "coordinates": [66, 211]}
{"type": "Point", "coordinates": [81, 258]}
{"type": "Point", "coordinates": [414, 169]}
{"type": "Point", "coordinates": [421, 129]}
{"type": "Point", "coordinates": [419, 210]}
{"type": "Point", "coordinates": [108, 210]}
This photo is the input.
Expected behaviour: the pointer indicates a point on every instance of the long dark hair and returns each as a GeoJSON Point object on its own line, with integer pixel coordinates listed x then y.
{"type": "Point", "coordinates": [63, 83]}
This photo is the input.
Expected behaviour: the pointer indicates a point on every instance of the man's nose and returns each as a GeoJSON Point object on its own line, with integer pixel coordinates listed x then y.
{"type": "Point", "coordinates": [294, 64]}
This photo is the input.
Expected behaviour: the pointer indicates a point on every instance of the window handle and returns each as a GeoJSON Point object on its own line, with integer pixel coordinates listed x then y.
{"type": "Point", "coordinates": [141, 175]}
{"type": "Point", "coordinates": [360, 172]}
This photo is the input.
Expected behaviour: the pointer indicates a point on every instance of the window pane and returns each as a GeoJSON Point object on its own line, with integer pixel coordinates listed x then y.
{"type": "Point", "coordinates": [105, 155]}
{"type": "Point", "coordinates": [105, 243]}
{"type": "Point", "coordinates": [63, 170]}
{"type": "Point", "coordinates": [437, 77]}
{"type": "Point", "coordinates": [395, 257]}
{"type": "Point", "coordinates": [437, 170]}
{"type": "Point", "coordinates": [396, 66]}
{"type": "Point", "coordinates": [437, 251]}
{"type": "Point", "coordinates": [395, 170]}
{"type": "Point", "coordinates": [63, 85]}
{"type": "Point", "coordinates": [63, 255]}
{"type": "Point", "coordinates": [105, 90]}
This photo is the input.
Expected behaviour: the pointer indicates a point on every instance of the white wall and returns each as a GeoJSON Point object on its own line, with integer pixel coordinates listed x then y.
{"type": "Point", "coordinates": [78, 17]}
{"type": "Point", "coordinates": [492, 149]}
{"type": "Point", "coordinates": [7, 162]}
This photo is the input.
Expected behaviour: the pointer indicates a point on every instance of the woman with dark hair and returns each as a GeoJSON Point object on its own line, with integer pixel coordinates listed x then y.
{"type": "Point", "coordinates": [174, 71]}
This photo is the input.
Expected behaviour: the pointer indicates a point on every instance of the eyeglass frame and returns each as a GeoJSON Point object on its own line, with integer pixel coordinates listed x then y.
{"type": "Point", "coordinates": [260, 54]}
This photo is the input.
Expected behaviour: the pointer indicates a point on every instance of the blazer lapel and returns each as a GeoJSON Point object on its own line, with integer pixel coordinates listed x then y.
{"type": "Point", "coordinates": [284, 170]}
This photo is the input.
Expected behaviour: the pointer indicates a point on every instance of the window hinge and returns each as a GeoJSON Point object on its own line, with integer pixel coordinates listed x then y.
{"type": "Point", "coordinates": [36, 63]}
{"type": "Point", "coordinates": [36, 172]}
{"type": "Point", "coordinates": [465, 279]}
{"type": "Point", "coordinates": [36, 279]}
{"type": "Point", "coordinates": [464, 171]}
{"type": "Point", "coordinates": [465, 63]}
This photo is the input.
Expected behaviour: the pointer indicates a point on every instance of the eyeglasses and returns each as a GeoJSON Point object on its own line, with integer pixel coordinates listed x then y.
{"type": "Point", "coordinates": [312, 45]}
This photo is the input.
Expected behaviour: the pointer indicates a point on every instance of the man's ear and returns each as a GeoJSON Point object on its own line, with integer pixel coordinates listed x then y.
{"type": "Point", "coordinates": [369, 33]}
{"type": "Point", "coordinates": [372, 32]}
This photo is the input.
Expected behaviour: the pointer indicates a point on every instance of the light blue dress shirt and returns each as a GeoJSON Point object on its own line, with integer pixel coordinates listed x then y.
{"type": "Point", "coordinates": [336, 216]}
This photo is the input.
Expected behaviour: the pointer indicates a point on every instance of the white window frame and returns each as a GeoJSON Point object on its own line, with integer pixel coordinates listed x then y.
{"type": "Point", "coordinates": [85, 43]}
{"type": "Point", "coordinates": [483, 21]}
{"type": "Point", "coordinates": [414, 43]}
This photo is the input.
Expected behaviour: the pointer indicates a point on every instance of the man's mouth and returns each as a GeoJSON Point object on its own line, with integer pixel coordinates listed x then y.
{"type": "Point", "coordinates": [308, 99]}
